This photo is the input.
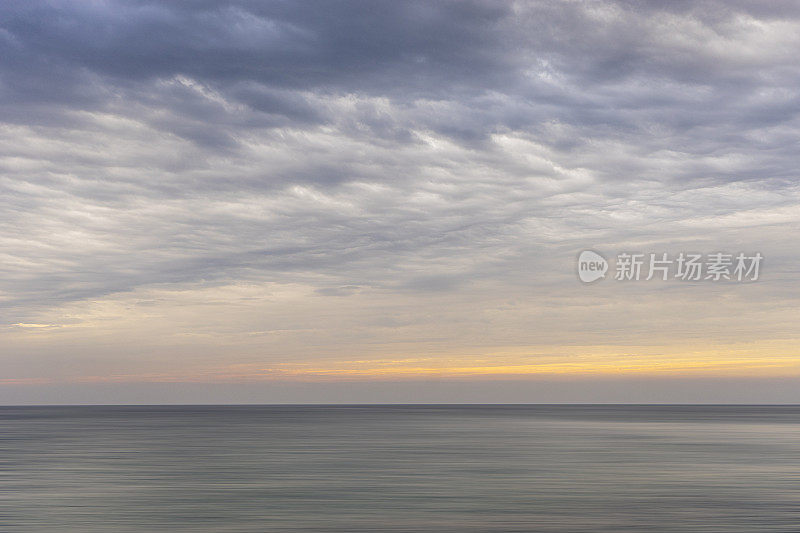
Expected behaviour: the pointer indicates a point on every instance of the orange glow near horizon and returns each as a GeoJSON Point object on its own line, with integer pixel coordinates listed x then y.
{"type": "Point", "coordinates": [772, 359]}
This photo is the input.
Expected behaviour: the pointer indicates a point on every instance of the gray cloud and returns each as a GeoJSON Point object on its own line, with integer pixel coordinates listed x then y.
{"type": "Point", "coordinates": [399, 146]}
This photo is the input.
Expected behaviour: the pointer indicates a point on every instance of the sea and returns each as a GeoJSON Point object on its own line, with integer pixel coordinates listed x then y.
{"type": "Point", "coordinates": [420, 468]}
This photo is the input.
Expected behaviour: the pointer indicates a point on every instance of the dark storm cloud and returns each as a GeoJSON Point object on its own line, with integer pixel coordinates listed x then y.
{"type": "Point", "coordinates": [615, 69]}
{"type": "Point", "coordinates": [400, 145]}
{"type": "Point", "coordinates": [373, 46]}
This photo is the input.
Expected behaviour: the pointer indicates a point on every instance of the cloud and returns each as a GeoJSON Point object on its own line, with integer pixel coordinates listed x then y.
{"type": "Point", "coordinates": [403, 147]}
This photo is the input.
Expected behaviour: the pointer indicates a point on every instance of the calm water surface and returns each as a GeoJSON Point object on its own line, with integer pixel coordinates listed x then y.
{"type": "Point", "coordinates": [424, 468]}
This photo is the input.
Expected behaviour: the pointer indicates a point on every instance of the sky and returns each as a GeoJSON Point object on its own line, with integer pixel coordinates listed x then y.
{"type": "Point", "coordinates": [378, 202]}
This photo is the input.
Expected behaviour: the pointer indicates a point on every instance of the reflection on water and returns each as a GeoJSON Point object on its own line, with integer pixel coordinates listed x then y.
{"type": "Point", "coordinates": [426, 468]}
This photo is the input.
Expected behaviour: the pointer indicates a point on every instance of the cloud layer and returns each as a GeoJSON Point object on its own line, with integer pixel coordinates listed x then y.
{"type": "Point", "coordinates": [392, 150]}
